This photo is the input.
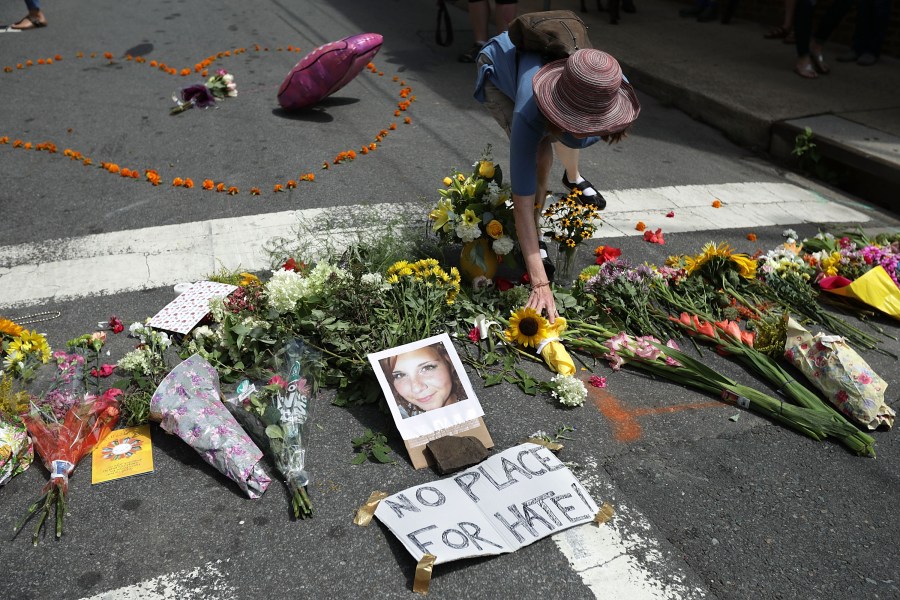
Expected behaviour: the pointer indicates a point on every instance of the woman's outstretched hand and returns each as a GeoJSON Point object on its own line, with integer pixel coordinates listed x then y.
{"type": "Point", "coordinates": [541, 299]}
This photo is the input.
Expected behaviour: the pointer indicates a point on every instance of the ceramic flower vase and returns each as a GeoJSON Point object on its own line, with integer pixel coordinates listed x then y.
{"type": "Point", "coordinates": [478, 259]}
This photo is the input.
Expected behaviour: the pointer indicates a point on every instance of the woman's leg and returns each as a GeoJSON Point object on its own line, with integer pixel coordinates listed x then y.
{"type": "Point", "coordinates": [544, 166]}
{"type": "Point", "coordinates": [504, 12]}
{"type": "Point", "coordinates": [479, 14]}
{"type": "Point", "coordinates": [569, 159]}
{"type": "Point", "coordinates": [803, 18]}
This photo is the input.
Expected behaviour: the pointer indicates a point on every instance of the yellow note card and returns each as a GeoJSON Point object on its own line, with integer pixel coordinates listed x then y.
{"type": "Point", "coordinates": [123, 453]}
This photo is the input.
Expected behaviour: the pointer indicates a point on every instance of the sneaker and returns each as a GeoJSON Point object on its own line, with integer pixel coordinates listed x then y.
{"type": "Point", "coordinates": [469, 55]}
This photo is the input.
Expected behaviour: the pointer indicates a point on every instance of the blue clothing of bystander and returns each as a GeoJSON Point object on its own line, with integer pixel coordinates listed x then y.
{"type": "Point", "coordinates": [512, 74]}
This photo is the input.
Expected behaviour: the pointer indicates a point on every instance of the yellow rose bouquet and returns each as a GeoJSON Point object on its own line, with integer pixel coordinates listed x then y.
{"type": "Point", "coordinates": [476, 205]}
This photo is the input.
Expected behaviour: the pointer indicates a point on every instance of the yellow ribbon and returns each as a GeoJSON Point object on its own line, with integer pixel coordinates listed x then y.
{"type": "Point", "coordinates": [367, 511]}
{"type": "Point", "coordinates": [551, 446]}
{"type": "Point", "coordinates": [603, 515]}
{"type": "Point", "coordinates": [557, 358]}
{"type": "Point", "coordinates": [423, 574]}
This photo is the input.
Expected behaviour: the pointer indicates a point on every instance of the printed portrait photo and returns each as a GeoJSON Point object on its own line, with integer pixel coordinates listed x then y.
{"type": "Point", "coordinates": [425, 386]}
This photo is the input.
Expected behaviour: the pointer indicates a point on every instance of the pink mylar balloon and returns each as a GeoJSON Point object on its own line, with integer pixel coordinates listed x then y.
{"type": "Point", "coordinates": [327, 69]}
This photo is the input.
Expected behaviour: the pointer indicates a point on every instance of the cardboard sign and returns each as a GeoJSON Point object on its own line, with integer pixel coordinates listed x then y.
{"type": "Point", "coordinates": [123, 453]}
{"type": "Point", "coordinates": [429, 394]}
{"type": "Point", "coordinates": [508, 501]}
{"type": "Point", "coordinates": [184, 312]}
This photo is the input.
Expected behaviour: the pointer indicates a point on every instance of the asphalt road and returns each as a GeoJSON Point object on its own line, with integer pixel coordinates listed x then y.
{"type": "Point", "coordinates": [705, 506]}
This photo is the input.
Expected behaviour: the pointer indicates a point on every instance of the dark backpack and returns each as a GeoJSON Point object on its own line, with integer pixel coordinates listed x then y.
{"type": "Point", "coordinates": [553, 34]}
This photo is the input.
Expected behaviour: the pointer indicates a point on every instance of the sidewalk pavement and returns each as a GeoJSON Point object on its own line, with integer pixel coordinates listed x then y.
{"type": "Point", "coordinates": [732, 78]}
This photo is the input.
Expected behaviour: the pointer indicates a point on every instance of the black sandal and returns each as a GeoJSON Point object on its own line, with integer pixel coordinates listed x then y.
{"type": "Point", "coordinates": [596, 199]}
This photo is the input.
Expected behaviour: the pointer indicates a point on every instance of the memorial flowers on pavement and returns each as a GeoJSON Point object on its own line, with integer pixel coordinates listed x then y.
{"type": "Point", "coordinates": [204, 95]}
{"type": "Point", "coordinates": [276, 415]}
{"type": "Point", "coordinates": [476, 205]}
{"type": "Point", "coordinates": [61, 444]}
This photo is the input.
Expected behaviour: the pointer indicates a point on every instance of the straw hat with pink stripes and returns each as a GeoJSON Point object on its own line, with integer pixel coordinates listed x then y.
{"type": "Point", "coordinates": [585, 94]}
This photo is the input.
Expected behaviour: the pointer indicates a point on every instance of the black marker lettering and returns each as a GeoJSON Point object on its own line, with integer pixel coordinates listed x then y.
{"type": "Point", "coordinates": [423, 546]}
{"type": "Point", "coordinates": [399, 507]}
{"type": "Point", "coordinates": [499, 486]}
{"type": "Point", "coordinates": [473, 535]}
{"type": "Point", "coordinates": [439, 498]}
{"type": "Point", "coordinates": [509, 466]}
{"type": "Point", "coordinates": [547, 459]}
{"type": "Point", "coordinates": [463, 544]}
{"type": "Point", "coordinates": [580, 495]}
{"type": "Point", "coordinates": [519, 458]}
{"type": "Point", "coordinates": [466, 486]}
{"type": "Point", "coordinates": [564, 509]}
{"type": "Point", "coordinates": [519, 522]}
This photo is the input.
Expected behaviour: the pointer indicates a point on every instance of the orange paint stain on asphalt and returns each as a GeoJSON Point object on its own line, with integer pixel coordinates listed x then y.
{"type": "Point", "coordinates": [626, 427]}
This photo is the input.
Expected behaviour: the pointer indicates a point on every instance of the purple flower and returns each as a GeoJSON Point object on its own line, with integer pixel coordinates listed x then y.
{"type": "Point", "coordinates": [198, 95]}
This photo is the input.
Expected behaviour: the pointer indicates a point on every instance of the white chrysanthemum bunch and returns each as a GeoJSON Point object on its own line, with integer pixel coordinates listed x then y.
{"type": "Point", "coordinates": [503, 245]}
{"type": "Point", "coordinates": [497, 195]}
{"type": "Point", "coordinates": [467, 232]}
{"type": "Point", "coordinates": [287, 287]}
{"type": "Point", "coordinates": [781, 261]}
{"type": "Point", "coordinates": [569, 390]}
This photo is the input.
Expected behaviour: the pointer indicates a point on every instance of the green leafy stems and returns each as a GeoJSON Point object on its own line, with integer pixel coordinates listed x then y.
{"type": "Point", "coordinates": [53, 499]}
{"type": "Point", "coordinates": [674, 365]}
{"type": "Point", "coordinates": [371, 445]}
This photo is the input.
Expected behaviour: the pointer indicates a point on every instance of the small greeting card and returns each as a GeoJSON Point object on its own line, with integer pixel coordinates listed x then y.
{"type": "Point", "coordinates": [184, 312]}
{"type": "Point", "coordinates": [124, 452]}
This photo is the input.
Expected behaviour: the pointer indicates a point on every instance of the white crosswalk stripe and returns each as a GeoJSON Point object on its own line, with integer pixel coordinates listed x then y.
{"type": "Point", "coordinates": [123, 261]}
{"type": "Point", "coordinates": [206, 582]}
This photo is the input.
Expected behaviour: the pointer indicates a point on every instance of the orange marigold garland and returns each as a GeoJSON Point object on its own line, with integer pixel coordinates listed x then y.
{"type": "Point", "coordinates": [151, 175]}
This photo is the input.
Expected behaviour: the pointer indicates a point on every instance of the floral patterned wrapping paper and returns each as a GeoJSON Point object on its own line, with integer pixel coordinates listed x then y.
{"type": "Point", "coordinates": [841, 374]}
{"type": "Point", "coordinates": [188, 404]}
{"type": "Point", "coordinates": [16, 448]}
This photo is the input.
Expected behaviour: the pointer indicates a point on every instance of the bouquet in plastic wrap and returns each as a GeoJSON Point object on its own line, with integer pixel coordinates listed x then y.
{"type": "Point", "coordinates": [61, 444]}
{"type": "Point", "coordinates": [841, 374]}
{"type": "Point", "coordinates": [276, 415]}
{"type": "Point", "coordinates": [16, 449]}
{"type": "Point", "coordinates": [188, 404]}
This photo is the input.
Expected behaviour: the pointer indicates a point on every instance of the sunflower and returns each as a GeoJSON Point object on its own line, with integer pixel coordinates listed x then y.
{"type": "Point", "coordinates": [9, 328]}
{"type": "Point", "coordinates": [527, 328]}
{"type": "Point", "coordinates": [710, 251]}
{"type": "Point", "coordinates": [29, 343]}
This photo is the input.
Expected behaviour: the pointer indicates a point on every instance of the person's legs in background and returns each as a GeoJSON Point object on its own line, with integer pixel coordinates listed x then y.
{"type": "Point", "coordinates": [872, 21]}
{"type": "Point", "coordinates": [830, 20]}
{"type": "Point", "coordinates": [504, 12]}
{"type": "Point", "coordinates": [803, 18]}
{"type": "Point", "coordinates": [480, 16]}
{"type": "Point", "coordinates": [35, 16]}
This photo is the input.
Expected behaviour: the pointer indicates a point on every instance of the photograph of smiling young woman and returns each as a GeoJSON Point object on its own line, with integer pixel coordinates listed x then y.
{"type": "Point", "coordinates": [423, 379]}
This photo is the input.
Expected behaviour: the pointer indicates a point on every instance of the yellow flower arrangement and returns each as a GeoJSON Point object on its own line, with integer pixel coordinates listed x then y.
{"type": "Point", "coordinates": [711, 252]}
{"type": "Point", "coordinates": [25, 353]}
{"type": "Point", "coordinates": [9, 328]}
